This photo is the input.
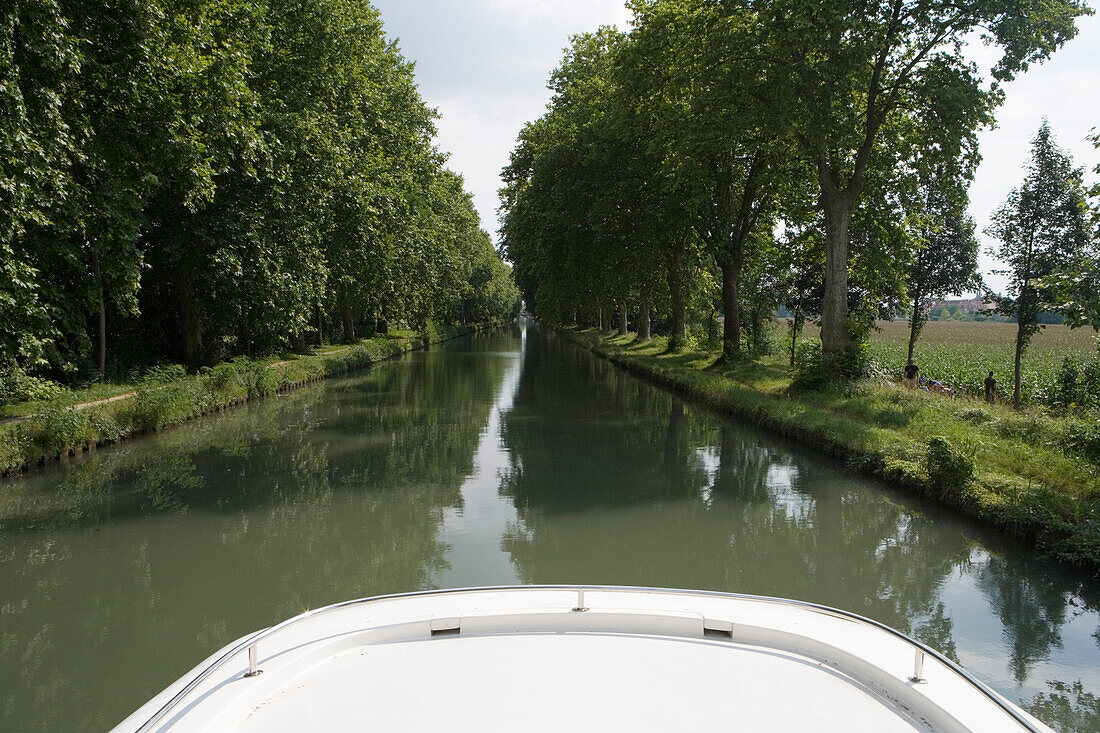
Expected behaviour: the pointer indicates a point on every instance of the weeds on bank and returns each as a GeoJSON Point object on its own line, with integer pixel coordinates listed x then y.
{"type": "Point", "coordinates": [167, 395]}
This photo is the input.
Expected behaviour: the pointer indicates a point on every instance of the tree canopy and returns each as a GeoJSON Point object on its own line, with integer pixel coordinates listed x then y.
{"type": "Point", "coordinates": [194, 180]}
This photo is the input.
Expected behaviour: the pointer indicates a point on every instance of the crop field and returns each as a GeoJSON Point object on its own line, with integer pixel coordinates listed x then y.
{"type": "Point", "coordinates": [961, 353]}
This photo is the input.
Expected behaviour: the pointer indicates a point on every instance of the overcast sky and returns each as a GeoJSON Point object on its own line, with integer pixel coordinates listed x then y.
{"type": "Point", "coordinates": [484, 64]}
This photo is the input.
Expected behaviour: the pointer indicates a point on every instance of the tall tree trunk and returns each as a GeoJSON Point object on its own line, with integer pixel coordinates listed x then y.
{"type": "Point", "coordinates": [599, 318]}
{"type": "Point", "coordinates": [676, 292]}
{"type": "Point", "coordinates": [644, 324]}
{"type": "Point", "coordinates": [796, 328]}
{"type": "Point", "coordinates": [320, 330]}
{"type": "Point", "coordinates": [622, 318]}
{"type": "Point", "coordinates": [347, 316]}
{"type": "Point", "coordinates": [298, 342]}
{"type": "Point", "coordinates": [835, 338]}
{"type": "Point", "coordinates": [1020, 339]}
{"type": "Point", "coordinates": [101, 370]}
{"type": "Point", "coordinates": [914, 325]}
{"type": "Point", "coordinates": [190, 320]}
{"type": "Point", "coordinates": [731, 326]}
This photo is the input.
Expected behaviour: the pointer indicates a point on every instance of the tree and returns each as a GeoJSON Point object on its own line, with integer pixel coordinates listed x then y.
{"type": "Point", "coordinates": [1041, 228]}
{"type": "Point", "coordinates": [711, 132]}
{"type": "Point", "coordinates": [852, 73]}
{"type": "Point", "coordinates": [946, 256]}
{"type": "Point", "coordinates": [38, 60]}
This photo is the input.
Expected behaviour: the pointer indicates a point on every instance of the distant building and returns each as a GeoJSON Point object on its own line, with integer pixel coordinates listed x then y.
{"type": "Point", "coordinates": [976, 304]}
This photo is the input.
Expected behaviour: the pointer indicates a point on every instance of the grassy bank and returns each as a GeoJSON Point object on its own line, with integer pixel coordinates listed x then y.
{"type": "Point", "coordinates": [81, 420]}
{"type": "Point", "coordinates": [1032, 473]}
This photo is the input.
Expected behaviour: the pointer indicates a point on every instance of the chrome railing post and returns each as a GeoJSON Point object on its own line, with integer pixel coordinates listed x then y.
{"type": "Point", "coordinates": [253, 662]}
{"type": "Point", "coordinates": [580, 601]}
{"type": "Point", "coordinates": [918, 666]}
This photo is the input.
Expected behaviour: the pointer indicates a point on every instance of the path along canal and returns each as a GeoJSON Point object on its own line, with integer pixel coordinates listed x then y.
{"type": "Point", "coordinates": [507, 457]}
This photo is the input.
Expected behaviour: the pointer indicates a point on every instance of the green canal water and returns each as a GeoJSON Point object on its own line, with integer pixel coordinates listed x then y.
{"type": "Point", "coordinates": [508, 457]}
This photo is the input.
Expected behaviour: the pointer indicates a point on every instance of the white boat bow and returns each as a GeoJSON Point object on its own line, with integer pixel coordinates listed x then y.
{"type": "Point", "coordinates": [581, 658]}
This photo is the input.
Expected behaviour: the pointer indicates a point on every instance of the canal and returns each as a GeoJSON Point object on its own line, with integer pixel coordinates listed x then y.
{"type": "Point", "coordinates": [507, 457]}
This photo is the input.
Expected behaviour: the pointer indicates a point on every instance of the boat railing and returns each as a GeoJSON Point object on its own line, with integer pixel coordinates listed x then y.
{"type": "Point", "coordinates": [250, 644]}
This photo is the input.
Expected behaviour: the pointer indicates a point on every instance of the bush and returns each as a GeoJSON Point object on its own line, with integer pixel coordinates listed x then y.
{"type": "Point", "coordinates": [156, 406]}
{"type": "Point", "coordinates": [812, 371]}
{"type": "Point", "coordinates": [975, 415]}
{"type": "Point", "coordinates": [58, 428]}
{"type": "Point", "coordinates": [1083, 438]}
{"type": "Point", "coordinates": [256, 378]}
{"type": "Point", "coordinates": [948, 468]}
{"type": "Point", "coordinates": [809, 371]}
{"type": "Point", "coordinates": [163, 374]}
{"type": "Point", "coordinates": [1019, 428]}
{"type": "Point", "coordinates": [18, 386]}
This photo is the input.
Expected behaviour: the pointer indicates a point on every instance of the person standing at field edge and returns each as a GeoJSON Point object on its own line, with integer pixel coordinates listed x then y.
{"type": "Point", "coordinates": [912, 374]}
{"type": "Point", "coordinates": [990, 388]}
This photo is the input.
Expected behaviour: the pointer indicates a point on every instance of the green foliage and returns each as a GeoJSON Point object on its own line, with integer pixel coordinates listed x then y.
{"type": "Point", "coordinates": [1082, 438]}
{"type": "Point", "coordinates": [809, 371]}
{"type": "Point", "coordinates": [1043, 231]}
{"type": "Point", "coordinates": [58, 428]}
{"type": "Point", "coordinates": [975, 415]}
{"type": "Point", "coordinates": [949, 469]}
{"type": "Point", "coordinates": [166, 395]}
{"type": "Point", "coordinates": [18, 386]}
{"type": "Point", "coordinates": [208, 179]}
{"type": "Point", "coordinates": [815, 371]}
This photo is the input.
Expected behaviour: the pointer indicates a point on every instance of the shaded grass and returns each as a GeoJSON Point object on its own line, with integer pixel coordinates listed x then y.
{"type": "Point", "coordinates": [168, 396]}
{"type": "Point", "coordinates": [1024, 480]}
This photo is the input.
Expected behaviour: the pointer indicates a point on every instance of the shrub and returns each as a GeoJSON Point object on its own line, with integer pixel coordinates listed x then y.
{"type": "Point", "coordinates": [1019, 428]}
{"type": "Point", "coordinates": [1083, 438]}
{"type": "Point", "coordinates": [18, 386]}
{"type": "Point", "coordinates": [809, 369]}
{"type": "Point", "coordinates": [948, 468]}
{"type": "Point", "coordinates": [12, 450]}
{"type": "Point", "coordinates": [163, 374]}
{"type": "Point", "coordinates": [256, 378]}
{"type": "Point", "coordinates": [812, 372]}
{"type": "Point", "coordinates": [975, 415]}
{"type": "Point", "coordinates": [154, 407]}
{"type": "Point", "coordinates": [57, 428]}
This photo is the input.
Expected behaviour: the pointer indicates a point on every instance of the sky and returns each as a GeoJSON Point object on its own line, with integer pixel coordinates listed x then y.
{"type": "Point", "coordinates": [484, 65]}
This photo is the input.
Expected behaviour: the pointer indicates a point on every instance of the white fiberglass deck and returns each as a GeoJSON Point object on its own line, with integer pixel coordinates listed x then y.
{"type": "Point", "coordinates": [529, 659]}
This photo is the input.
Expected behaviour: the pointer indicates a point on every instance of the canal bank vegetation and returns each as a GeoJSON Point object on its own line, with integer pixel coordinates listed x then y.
{"type": "Point", "coordinates": [210, 184]}
{"type": "Point", "coordinates": [64, 426]}
{"type": "Point", "coordinates": [1019, 470]}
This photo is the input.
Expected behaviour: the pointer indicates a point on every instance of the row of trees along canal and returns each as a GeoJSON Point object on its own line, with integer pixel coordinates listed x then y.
{"type": "Point", "coordinates": [816, 157]}
{"type": "Point", "coordinates": [192, 180]}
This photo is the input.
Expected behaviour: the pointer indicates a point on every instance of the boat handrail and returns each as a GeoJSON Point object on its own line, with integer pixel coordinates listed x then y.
{"type": "Point", "coordinates": [920, 650]}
